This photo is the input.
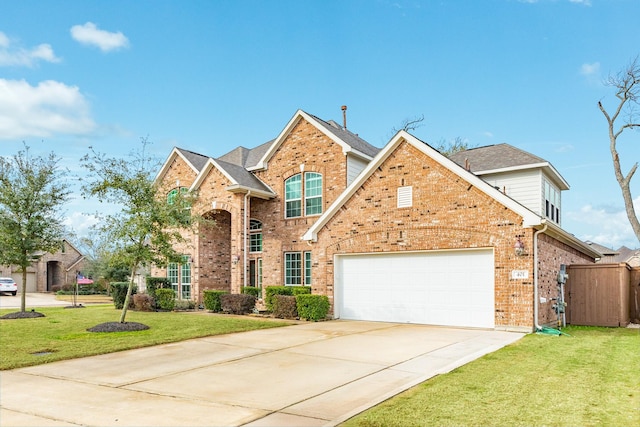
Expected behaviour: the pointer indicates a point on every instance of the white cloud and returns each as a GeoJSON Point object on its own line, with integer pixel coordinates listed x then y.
{"type": "Point", "coordinates": [89, 34]}
{"type": "Point", "coordinates": [81, 223]}
{"type": "Point", "coordinates": [607, 226]}
{"type": "Point", "coordinates": [590, 69]}
{"type": "Point", "coordinates": [12, 55]}
{"type": "Point", "coordinates": [46, 109]}
{"type": "Point", "coordinates": [583, 2]}
{"type": "Point", "coordinates": [488, 134]}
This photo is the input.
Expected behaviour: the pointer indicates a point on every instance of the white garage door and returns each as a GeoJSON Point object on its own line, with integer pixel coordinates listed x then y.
{"type": "Point", "coordinates": [453, 288]}
{"type": "Point", "coordinates": [31, 281]}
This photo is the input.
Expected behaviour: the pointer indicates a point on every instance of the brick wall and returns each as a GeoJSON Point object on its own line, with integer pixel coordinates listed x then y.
{"type": "Point", "coordinates": [552, 253]}
{"type": "Point", "coordinates": [447, 213]}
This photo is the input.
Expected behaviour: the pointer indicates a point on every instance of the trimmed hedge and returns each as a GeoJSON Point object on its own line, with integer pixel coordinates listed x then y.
{"type": "Point", "coordinates": [165, 299]}
{"type": "Point", "coordinates": [284, 307]}
{"type": "Point", "coordinates": [271, 291]}
{"type": "Point", "coordinates": [211, 299]}
{"type": "Point", "coordinates": [300, 290]}
{"type": "Point", "coordinates": [184, 304]}
{"type": "Point", "coordinates": [119, 293]}
{"type": "Point", "coordinates": [252, 290]}
{"type": "Point", "coordinates": [237, 303]}
{"type": "Point", "coordinates": [154, 283]}
{"type": "Point", "coordinates": [312, 307]}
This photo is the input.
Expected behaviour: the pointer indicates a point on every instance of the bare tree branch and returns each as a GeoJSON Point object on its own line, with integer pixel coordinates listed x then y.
{"type": "Point", "coordinates": [627, 83]}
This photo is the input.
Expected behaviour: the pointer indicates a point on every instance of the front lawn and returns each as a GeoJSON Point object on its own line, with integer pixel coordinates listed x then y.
{"type": "Point", "coordinates": [591, 378]}
{"type": "Point", "coordinates": [62, 334]}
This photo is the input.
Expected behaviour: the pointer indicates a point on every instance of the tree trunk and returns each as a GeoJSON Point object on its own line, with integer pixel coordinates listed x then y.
{"type": "Point", "coordinates": [127, 299]}
{"type": "Point", "coordinates": [23, 294]}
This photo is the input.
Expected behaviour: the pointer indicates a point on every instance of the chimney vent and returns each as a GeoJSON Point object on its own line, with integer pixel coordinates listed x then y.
{"type": "Point", "coordinates": [344, 116]}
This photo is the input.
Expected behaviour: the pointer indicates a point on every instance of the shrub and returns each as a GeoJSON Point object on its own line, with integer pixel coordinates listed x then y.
{"type": "Point", "coordinates": [237, 303]}
{"type": "Point", "coordinates": [143, 302]}
{"type": "Point", "coordinates": [252, 290]}
{"type": "Point", "coordinates": [285, 307]}
{"type": "Point", "coordinates": [57, 289]}
{"type": "Point", "coordinates": [154, 283]}
{"type": "Point", "coordinates": [211, 299]}
{"type": "Point", "coordinates": [185, 304]}
{"type": "Point", "coordinates": [119, 293]}
{"type": "Point", "coordinates": [300, 290]}
{"type": "Point", "coordinates": [312, 307]}
{"type": "Point", "coordinates": [272, 291]}
{"type": "Point", "coordinates": [165, 299]}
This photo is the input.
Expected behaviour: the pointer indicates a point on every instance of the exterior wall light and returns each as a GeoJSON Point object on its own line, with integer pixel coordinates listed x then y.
{"type": "Point", "coordinates": [235, 259]}
{"type": "Point", "coordinates": [519, 247]}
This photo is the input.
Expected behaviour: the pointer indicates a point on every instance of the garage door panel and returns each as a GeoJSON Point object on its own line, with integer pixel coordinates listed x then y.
{"type": "Point", "coordinates": [453, 288]}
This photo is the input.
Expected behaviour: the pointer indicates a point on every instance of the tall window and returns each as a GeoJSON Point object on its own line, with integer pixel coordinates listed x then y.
{"type": "Point", "coordinates": [297, 268]}
{"type": "Point", "coordinates": [179, 275]}
{"type": "Point", "coordinates": [293, 191]}
{"type": "Point", "coordinates": [255, 236]}
{"type": "Point", "coordinates": [551, 202]}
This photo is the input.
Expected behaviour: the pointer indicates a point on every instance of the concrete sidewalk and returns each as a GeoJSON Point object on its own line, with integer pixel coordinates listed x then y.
{"type": "Point", "coordinates": [32, 299]}
{"type": "Point", "coordinates": [311, 374]}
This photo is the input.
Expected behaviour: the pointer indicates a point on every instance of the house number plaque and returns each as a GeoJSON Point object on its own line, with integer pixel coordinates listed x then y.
{"type": "Point", "coordinates": [519, 274]}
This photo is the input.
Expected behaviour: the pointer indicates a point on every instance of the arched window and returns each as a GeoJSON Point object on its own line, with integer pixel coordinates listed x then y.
{"type": "Point", "coordinates": [255, 236]}
{"type": "Point", "coordinates": [293, 191]}
{"type": "Point", "coordinates": [171, 196]}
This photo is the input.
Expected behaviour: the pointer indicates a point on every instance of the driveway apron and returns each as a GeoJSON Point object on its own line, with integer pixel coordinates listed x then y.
{"type": "Point", "coordinates": [310, 374]}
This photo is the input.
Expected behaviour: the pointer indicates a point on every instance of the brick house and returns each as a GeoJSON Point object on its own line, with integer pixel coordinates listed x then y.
{"type": "Point", "coordinates": [51, 269]}
{"type": "Point", "coordinates": [402, 234]}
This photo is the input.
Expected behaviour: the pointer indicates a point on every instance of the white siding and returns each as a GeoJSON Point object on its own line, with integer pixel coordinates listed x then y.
{"type": "Point", "coordinates": [355, 165]}
{"type": "Point", "coordinates": [526, 187]}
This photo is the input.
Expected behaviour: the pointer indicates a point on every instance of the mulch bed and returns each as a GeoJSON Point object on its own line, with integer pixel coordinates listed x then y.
{"type": "Point", "coordinates": [22, 315]}
{"type": "Point", "coordinates": [118, 327]}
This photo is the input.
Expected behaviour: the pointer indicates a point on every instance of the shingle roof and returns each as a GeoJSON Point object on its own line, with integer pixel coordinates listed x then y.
{"type": "Point", "coordinates": [491, 157]}
{"type": "Point", "coordinates": [243, 177]}
{"type": "Point", "coordinates": [197, 160]}
{"type": "Point", "coordinates": [348, 137]}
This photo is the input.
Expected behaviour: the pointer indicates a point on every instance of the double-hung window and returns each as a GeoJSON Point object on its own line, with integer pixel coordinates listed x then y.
{"type": "Point", "coordinates": [255, 236]}
{"type": "Point", "coordinates": [294, 189]}
{"type": "Point", "coordinates": [179, 275]}
{"type": "Point", "coordinates": [297, 268]}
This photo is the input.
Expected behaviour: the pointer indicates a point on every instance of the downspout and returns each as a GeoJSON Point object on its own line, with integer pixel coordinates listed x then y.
{"type": "Point", "coordinates": [535, 277]}
{"type": "Point", "coordinates": [246, 221]}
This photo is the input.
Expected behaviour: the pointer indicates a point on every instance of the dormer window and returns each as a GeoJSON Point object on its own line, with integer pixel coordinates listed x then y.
{"type": "Point", "coordinates": [295, 187]}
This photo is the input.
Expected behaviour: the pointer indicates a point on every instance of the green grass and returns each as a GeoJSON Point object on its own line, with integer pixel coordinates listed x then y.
{"type": "Point", "coordinates": [63, 332]}
{"type": "Point", "coordinates": [591, 378]}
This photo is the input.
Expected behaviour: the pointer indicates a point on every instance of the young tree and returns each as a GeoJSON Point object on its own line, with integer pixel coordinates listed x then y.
{"type": "Point", "coordinates": [147, 228]}
{"type": "Point", "coordinates": [627, 86]}
{"type": "Point", "coordinates": [32, 191]}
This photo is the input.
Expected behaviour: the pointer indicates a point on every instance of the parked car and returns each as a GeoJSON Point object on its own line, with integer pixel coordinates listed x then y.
{"type": "Point", "coordinates": [7, 284]}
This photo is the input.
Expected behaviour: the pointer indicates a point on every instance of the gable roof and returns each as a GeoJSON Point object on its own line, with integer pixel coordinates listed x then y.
{"type": "Point", "coordinates": [194, 160]}
{"type": "Point", "coordinates": [240, 179]}
{"type": "Point", "coordinates": [530, 218]}
{"type": "Point", "coordinates": [350, 142]}
{"type": "Point", "coordinates": [502, 158]}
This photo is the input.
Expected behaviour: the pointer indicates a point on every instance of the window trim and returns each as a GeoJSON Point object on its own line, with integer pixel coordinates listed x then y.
{"type": "Point", "coordinates": [255, 236]}
{"type": "Point", "coordinates": [303, 265]}
{"type": "Point", "coordinates": [299, 207]}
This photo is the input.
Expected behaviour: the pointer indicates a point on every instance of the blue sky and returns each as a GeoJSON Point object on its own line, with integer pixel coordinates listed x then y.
{"type": "Point", "coordinates": [211, 75]}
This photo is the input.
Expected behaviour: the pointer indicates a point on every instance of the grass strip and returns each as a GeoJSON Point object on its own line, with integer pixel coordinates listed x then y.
{"type": "Point", "coordinates": [591, 378]}
{"type": "Point", "coordinates": [62, 333]}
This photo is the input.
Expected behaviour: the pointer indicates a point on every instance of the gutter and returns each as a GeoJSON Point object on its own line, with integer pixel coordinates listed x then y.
{"type": "Point", "coordinates": [246, 222]}
{"type": "Point", "coordinates": [535, 277]}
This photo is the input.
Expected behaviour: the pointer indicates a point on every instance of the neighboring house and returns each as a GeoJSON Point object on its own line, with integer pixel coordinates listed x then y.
{"type": "Point", "coordinates": [57, 269]}
{"type": "Point", "coordinates": [622, 254]}
{"type": "Point", "coordinates": [402, 234]}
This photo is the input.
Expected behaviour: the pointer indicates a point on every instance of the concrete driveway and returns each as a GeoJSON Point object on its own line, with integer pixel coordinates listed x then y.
{"type": "Point", "coordinates": [310, 374]}
{"type": "Point", "coordinates": [32, 299]}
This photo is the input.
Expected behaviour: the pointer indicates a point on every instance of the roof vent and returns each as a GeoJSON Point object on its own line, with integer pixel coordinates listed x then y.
{"type": "Point", "coordinates": [344, 116]}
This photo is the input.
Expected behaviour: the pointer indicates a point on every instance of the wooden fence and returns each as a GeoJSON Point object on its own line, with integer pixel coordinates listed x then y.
{"type": "Point", "coordinates": [602, 294]}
